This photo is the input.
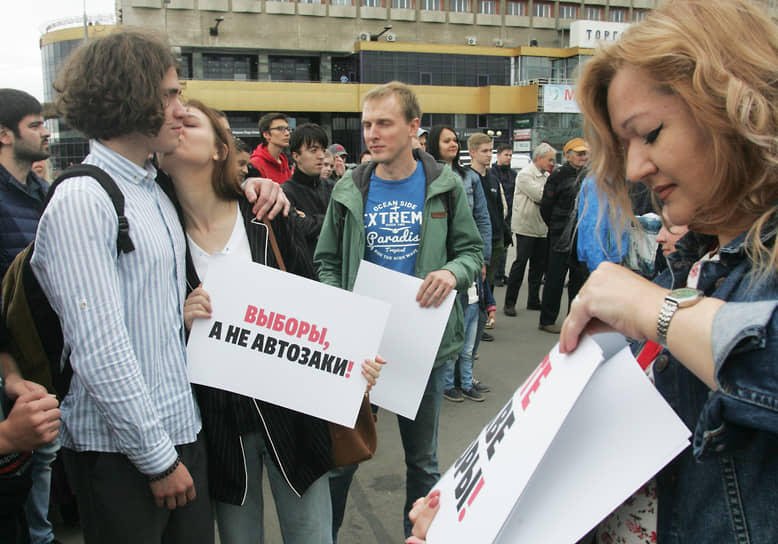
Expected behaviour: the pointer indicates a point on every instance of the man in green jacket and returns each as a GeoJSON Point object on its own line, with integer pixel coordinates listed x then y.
{"type": "Point", "coordinates": [406, 212]}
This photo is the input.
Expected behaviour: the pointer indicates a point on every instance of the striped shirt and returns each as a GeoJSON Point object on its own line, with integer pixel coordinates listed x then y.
{"type": "Point", "coordinates": [121, 319]}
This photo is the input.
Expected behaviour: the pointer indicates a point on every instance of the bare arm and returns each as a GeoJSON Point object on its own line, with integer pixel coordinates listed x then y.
{"type": "Point", "coordinates": [614, 298]}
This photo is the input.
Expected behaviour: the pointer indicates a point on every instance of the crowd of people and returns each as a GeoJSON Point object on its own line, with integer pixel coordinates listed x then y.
{"type": "Point", "coordinates": [696, 299]}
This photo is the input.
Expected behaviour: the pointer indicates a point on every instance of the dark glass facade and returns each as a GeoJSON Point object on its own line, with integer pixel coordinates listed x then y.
{"type": "Point", "coordinates": [230, 67]}
{"type": "Point", "coordinates": [434, 69]}
{"type": "Point", "coordinates": [53, 57]}
{"type": "Point", "coordinates": [294, 68]}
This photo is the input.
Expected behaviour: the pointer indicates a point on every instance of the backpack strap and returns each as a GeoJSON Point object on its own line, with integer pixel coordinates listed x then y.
{"type": "Point", "coordinates": [123, 241]}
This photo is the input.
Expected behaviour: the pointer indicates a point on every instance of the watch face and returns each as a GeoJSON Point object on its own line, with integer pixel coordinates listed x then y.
{"type": "Point", "coordinates": [685, 296]}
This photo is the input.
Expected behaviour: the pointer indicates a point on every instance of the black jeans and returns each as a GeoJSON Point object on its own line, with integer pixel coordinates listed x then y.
{"type": "Point", "coordinates": [534, 250]}
{"type": "Point", "coordinates": [558, 264]}
{"type": "Point", "coordinates": [116, 504]}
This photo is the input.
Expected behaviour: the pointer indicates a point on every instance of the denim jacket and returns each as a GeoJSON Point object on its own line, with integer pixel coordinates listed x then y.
{"type": "Point", "coordinates": [476, 199]}
{"type": "Point", "coordinates": [725, 488]}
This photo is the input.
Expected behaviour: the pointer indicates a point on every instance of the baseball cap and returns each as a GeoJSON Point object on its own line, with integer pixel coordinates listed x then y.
{"type": "Point", "coordinates": [576, 144]}
{"type": "Point", "coordinates": [337, 149]}
{"type": "Point", "coordinates": [421, 132]}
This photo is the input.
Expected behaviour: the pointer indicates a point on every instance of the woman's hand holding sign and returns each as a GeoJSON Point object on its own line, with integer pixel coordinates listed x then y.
{"type": "Point", "coordinates": [371, 369]}
{"type": "Point", "coordinates": [196, 305]}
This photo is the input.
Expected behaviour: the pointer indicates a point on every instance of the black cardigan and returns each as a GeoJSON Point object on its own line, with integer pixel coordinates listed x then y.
{"type": "Point", "coordinates": [299, 444]}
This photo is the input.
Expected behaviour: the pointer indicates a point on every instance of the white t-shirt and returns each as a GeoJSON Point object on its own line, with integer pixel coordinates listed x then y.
{"type": "Point", "coordinates": [237, 247]}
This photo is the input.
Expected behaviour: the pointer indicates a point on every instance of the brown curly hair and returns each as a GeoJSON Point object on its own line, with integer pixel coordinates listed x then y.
{"type": "Point", "coordinates": [110, 86]}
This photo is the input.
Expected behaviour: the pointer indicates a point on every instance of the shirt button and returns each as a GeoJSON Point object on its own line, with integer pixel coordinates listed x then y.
{"type": "Point", "coordinates": [661, 363]}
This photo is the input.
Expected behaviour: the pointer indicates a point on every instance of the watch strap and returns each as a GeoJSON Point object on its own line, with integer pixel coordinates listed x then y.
{"type": "Point", "coordinates": [663, 322]}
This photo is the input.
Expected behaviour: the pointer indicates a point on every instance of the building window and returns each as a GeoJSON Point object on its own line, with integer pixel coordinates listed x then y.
{"type": "Point", "coordinates": [425, 78]}
{"type": "Point", "coordinates": [639, 14]}
{"type": "Point", "coordinates": [593, 13]}
{"type": "Point", "coordinates": [460, 6]}
{"type": "Point", "coordinates": [568, 11]}
{"type": "Point", "coordinates": [309, 1]}
{"type": "Point", "coordinates": [402, 4]}
{"type": "Point", "coordinates": [543, 9]}
{"type": "Point", "coordinates": [371, 3]}
{"type": "Point", "coordinates": [430, 5]}
{"type": "Point", "coordinates": [294, 68]}
{"type": "Point", "coordinates": [516, 7]}
{"type": "Point", "coordinates": [487, 7]}
{"type": "Point", "coordinates": [340, 2]}
{"type": "Point", "coordinates": [617, 15]}
{"type": "Point", "coordinates": [230, 67]}
{"type": "Point", "coordinates": [483, 80]}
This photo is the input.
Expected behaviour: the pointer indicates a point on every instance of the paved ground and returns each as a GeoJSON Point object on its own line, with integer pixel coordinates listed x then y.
{"type": "Point", "coordinates": [374, 512]}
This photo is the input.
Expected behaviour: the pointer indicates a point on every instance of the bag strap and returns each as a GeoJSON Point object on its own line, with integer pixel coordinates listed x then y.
{"type": "Point", "coordinates": [123, 241]}
{"type": "Point", "coordinates": [274, 244]}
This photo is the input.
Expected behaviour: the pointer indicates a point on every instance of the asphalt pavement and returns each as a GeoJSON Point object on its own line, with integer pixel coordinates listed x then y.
{"type": "Point", "coordinates": [377, 495]}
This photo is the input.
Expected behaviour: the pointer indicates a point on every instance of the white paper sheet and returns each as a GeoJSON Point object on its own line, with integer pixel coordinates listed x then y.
{"type": "Point", "coordinates": [592, 434]}
{"type": "Point", "coordinates": [411, 338]}
{"type": "Point", "coordinates": [317, 374]}
{"type": "Point", "coordinates": [620, 433]}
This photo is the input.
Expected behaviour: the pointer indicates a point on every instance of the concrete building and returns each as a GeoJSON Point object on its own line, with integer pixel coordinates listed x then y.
{"type": "Point", "coordinates": [505, 66]}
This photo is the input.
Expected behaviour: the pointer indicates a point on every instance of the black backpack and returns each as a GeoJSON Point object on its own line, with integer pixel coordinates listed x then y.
{"type": "Point", "coordinates": [35, 335]}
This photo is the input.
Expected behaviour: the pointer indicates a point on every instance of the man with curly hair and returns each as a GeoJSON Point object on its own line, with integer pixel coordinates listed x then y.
{"type": "Point", "coordinates": [130, 438]}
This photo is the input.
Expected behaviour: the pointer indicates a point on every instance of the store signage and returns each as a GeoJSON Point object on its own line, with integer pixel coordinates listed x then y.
{"type": "Point", "coordinates": [559, 99]}
{"type": "Point", "coordinates": [522, 134]}
{"type": "Point", "coordinates": [593, 33]}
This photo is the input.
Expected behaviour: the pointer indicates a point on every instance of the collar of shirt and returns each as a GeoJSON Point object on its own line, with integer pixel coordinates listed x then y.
{"type": "Point", "coordinates": [120, 167]}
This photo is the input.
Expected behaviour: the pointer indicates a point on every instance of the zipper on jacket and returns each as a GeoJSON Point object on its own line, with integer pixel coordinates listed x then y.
{"type": "Point", "coordinates": [245, 473]}
{"type": "Point", "coordinates": [275, 452]}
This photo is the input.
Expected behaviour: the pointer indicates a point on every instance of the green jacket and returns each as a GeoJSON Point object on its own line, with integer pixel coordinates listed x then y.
{"type": "Point", "coordinates": [341, 244]}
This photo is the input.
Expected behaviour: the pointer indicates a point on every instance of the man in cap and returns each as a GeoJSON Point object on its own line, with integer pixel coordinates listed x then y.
{"type": "Point", "coordinates": [557, 204]}
{"type": "Point", "coordinates": [421, 136]}
{"type": "Point", "coordinates": [340, 154]}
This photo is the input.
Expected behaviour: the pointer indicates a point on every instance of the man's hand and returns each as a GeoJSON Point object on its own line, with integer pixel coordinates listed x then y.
{"type": "Point", "coordinates": [268, 197]}
{"type": "Point", "coordinates": [15, 386]}
{"type": "Point", "coordinates": [435, 288]}
{"type": "Point", "coordinates": [33, 422]}
{"type": "Point", "coordinates": [174, 491]}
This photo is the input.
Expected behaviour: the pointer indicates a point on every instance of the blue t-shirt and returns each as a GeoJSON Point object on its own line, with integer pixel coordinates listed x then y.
{"type": "Point", "coordinates": [393, 214]}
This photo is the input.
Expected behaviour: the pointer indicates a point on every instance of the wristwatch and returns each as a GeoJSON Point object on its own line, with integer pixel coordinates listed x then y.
{"type": "Point", "coordinates": [677, 298]}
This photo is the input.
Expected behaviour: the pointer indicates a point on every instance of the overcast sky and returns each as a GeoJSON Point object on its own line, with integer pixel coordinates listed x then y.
{"type": "Point", "coordinates": [21, 22]}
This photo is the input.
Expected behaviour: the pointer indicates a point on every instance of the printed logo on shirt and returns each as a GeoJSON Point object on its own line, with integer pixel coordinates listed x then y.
{"type": "Point", "coordinates": [393, 229]}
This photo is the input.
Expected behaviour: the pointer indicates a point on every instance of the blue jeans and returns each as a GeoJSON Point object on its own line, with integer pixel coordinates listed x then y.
{"type": "Point", "coordinates": [465, 360]}
{"type": "Point", "coordinates": [303, 520]}
{"type": "Point", "coordinates": [420, 443]}
{"type": "Point", "coordinates": [37, 506]}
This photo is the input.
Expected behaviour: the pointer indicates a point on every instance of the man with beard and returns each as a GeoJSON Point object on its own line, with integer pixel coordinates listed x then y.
{"type": "Point", "coordinates": [24, 139]}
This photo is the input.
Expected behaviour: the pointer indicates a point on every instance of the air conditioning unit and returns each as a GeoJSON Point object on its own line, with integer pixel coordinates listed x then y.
{"type": "Point", "coordinates": [499, 43]}
{"type": "Point", "coordinates": [391, 37]}
{"type": "Point", "coordinates": [364, 36]}
{"type": "Point", "coordinates": [471, 40]}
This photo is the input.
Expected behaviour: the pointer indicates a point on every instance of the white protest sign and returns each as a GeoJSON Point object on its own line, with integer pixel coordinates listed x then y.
{"type": "Point", "coordinates": [553, 444]}
{"type": "Point", "coordinates": [619, 434]}
{"type": "Point", "coordinates": [411, 338]}
{"type": "Point", "coordinates": [286, 340]}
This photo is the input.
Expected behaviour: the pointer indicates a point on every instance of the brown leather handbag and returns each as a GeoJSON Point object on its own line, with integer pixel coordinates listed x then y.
{"type": "Point", "coordinates": [349, 446]}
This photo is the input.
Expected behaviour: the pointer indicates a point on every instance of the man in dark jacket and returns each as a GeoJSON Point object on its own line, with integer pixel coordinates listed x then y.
{"type": "Point", "coordinates": [507, 178]}
{"type": "Point", "coordinates": [307, 192]}
{"type": "Point", "coordinates": [24, 139]}
{"type": "Point", "coordinates": [557, 204]}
